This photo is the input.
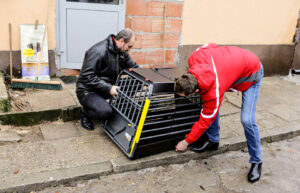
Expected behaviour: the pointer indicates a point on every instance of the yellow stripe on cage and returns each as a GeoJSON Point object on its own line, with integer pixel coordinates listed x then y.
{"type": "Point", "coordinates": [140, 126]}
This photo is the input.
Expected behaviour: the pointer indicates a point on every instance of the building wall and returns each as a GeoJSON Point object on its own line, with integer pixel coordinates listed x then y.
{"type": "Point", "coordinates": [264, 27]}
{"type": "Point", "coordinates": [260, 26]}
{"type": "Point", "coordinates": [24, 12]}
{"type": "Point", "coordinates": [239, 22]}
{"type": "Point", "coordinates": [146, 19]}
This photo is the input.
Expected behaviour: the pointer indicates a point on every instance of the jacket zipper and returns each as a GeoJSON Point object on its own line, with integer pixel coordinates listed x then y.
{"type": "Point", "coordinates": [118, 64]}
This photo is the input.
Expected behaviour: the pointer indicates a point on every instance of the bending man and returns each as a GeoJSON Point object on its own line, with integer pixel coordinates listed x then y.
{"type": "Point", "coordinates": [213, 71]}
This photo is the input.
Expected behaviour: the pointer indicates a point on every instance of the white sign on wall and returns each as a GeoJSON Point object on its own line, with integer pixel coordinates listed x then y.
{"type": "Point", "coordinates": [31, 42]}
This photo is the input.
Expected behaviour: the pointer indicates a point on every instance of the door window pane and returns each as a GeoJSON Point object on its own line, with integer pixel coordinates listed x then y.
{"type": "Point", "coordinates": [115, 2]}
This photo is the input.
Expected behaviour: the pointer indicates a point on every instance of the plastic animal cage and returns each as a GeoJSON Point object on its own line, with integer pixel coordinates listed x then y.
{"type": "Point", "coordinates": [148, 117]}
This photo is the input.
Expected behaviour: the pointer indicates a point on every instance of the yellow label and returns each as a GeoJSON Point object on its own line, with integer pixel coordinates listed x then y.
{"type": "Point", "coordinates": [28, 52]}
{"type": "Point", "coordinates": [141, 124]}
{"type": "Point", "coordinates": [34, 65]}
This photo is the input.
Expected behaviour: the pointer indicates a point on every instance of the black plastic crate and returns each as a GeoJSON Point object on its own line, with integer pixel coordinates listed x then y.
{"type": "Point", "coordinates": [148, 117]}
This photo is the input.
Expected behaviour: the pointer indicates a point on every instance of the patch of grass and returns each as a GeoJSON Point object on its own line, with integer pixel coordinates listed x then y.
{"type": "Point", "coordinates": [4, 106]}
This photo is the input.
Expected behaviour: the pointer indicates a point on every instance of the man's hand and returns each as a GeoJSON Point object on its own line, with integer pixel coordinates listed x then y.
{"type": "Point", "coordinates": [182, 145]}
{"type": "Point", "coordinates": [114, 91]}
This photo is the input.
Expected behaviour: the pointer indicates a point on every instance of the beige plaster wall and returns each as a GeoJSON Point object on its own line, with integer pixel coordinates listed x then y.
{"type": "Point", "coordinates": [239, 21]}
{"type": "Point", "coordinates": [25, 12]}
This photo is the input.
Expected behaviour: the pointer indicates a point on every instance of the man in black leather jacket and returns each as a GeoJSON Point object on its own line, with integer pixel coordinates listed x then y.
{"type": "Point", "coordinates": [101, 66]}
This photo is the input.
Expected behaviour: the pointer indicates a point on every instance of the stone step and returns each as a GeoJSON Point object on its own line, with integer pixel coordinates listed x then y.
{"type": "Point", "coordinates": [55, 160]}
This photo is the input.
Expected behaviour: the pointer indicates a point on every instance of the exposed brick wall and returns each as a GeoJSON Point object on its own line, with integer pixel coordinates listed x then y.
{"type": "Point", "coordinates": [146, 19]}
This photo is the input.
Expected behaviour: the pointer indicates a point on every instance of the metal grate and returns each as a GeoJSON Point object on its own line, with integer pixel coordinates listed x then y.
{"type": "Point", "coordinates": [149, 118]}
{"type": "Point", "coordinates": [131, 96]}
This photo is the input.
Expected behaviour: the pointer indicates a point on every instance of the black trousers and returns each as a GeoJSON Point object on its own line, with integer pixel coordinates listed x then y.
{"type": "Point", "coordinates": [95, 107]}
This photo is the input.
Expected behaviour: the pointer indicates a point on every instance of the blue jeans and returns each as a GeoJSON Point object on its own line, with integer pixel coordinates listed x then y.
{"type": "Point", "coordinates": [249, 101]}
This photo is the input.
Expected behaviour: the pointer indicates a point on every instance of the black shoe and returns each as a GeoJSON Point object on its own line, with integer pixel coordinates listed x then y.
{"type": "Point", "coordinates": [200, 142]}
{"type": "Point", "coordinates": [86, 123]}
{"type": "Point", "coordinates": [255, 172]}
{"type": "Point", "coordinates": [206, 145]}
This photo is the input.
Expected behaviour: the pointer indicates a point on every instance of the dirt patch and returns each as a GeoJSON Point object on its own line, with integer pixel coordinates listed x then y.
{"type": "Point", "coordinates": [27, 134]}
{"type": "Point", "coordinates": [17, 101]}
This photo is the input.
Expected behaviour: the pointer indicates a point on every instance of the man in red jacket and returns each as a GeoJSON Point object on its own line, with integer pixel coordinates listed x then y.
{"type": "Point", "coordinates": [213, 71]}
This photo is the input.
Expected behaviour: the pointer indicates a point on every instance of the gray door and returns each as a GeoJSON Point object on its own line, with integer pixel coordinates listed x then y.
{"type": "Point", "coordinates": [82, 23]}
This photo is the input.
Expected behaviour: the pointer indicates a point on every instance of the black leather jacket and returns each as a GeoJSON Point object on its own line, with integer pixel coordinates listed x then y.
{"type": "Point", "coordinates": [101, 66]}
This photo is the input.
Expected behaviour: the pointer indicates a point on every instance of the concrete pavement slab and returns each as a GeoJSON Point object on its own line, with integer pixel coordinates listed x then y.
{"type": "Point", "coordinates": [278, 134]}
{"type": "Point", "coordinates": [275, 90]}
{"type": "Point", "coordinates": [26, 134]}
{"type": "Point", "coordinates": [48, 99]}
{"type": "Point", "coordinates": [293, 78]}
{"type": "Point", "coordinates": [9, 136]}
{"type": "Point", "coordinates": [266, 120]}
{"type": "Point", "coordinates": [71, 88]}
{"type": "Point", "coordinates": [224, 173]}
{"type": "Point", "coordinates": [98, 130]}
{"type": "Point", "coordinates": [228, 109]}
{"type": "Point", "coordinates": [41, 99]}
{"type": "Point", "coordinates": [95, 147]}
{"type": "Point", "coordinates": [231, 126]}
{"type": "Point", "coordinates": [234, 98]}
{"type": "Point", "coordinates": [278, 169]}
{"type": "Point", "coordinates": [158, 179]}
{"type": "Point", "coordinates": [34, 157]}
{"type": "Point", "coordinates": [122, 164]}
{"type": "Point", "coordinates": [59, 130]}
{"type": "Point", "coordinates": [39, 180]}
{"type": "Point", "coordinates": [286, 112]}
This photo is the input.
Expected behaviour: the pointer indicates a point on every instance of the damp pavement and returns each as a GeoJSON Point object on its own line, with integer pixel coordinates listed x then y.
{"type": "Point", "coordinates": [223, 173]}
{"type": "Point", "coordinates": [56, 150]}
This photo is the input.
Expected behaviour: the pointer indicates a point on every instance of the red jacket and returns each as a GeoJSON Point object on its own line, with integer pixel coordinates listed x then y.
{"type": "Point", "coordinates": [217, 70]}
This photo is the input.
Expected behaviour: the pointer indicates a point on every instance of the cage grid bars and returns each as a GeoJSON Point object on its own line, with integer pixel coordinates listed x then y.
{"type": "Point", "coordinates": [126, 108]}
{"type": "Point", "coordinates": [130, 84]}
{"type": "Point", "coordinates": [172, 113]}
{"type": "Point", "coordinates": [165, 134]}
{"type": "Point", "coordinates": [136, 90]}
{"type": "Point", "coordinates": [166, 118]}
{"type": "Point", "coordinates": [167, 127]}
{"type": "Point", "coordinates": [169, 120]}
{"type": "Point", "coordinates": [125, 97]}
{"type": "Point", "coordinates": [168, 107]}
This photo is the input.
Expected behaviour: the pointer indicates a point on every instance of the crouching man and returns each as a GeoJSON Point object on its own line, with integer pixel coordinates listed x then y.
{"type": "Point", "coordinates": [101, 66]}
{"type": "Point", "coordinates": [213, 71]}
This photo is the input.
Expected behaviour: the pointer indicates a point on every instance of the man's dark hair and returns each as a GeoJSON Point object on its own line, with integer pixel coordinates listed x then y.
{"type": "Point", "coordinates": [126, 34]}
{"type": "Point", "coordinates": [187, 84]}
